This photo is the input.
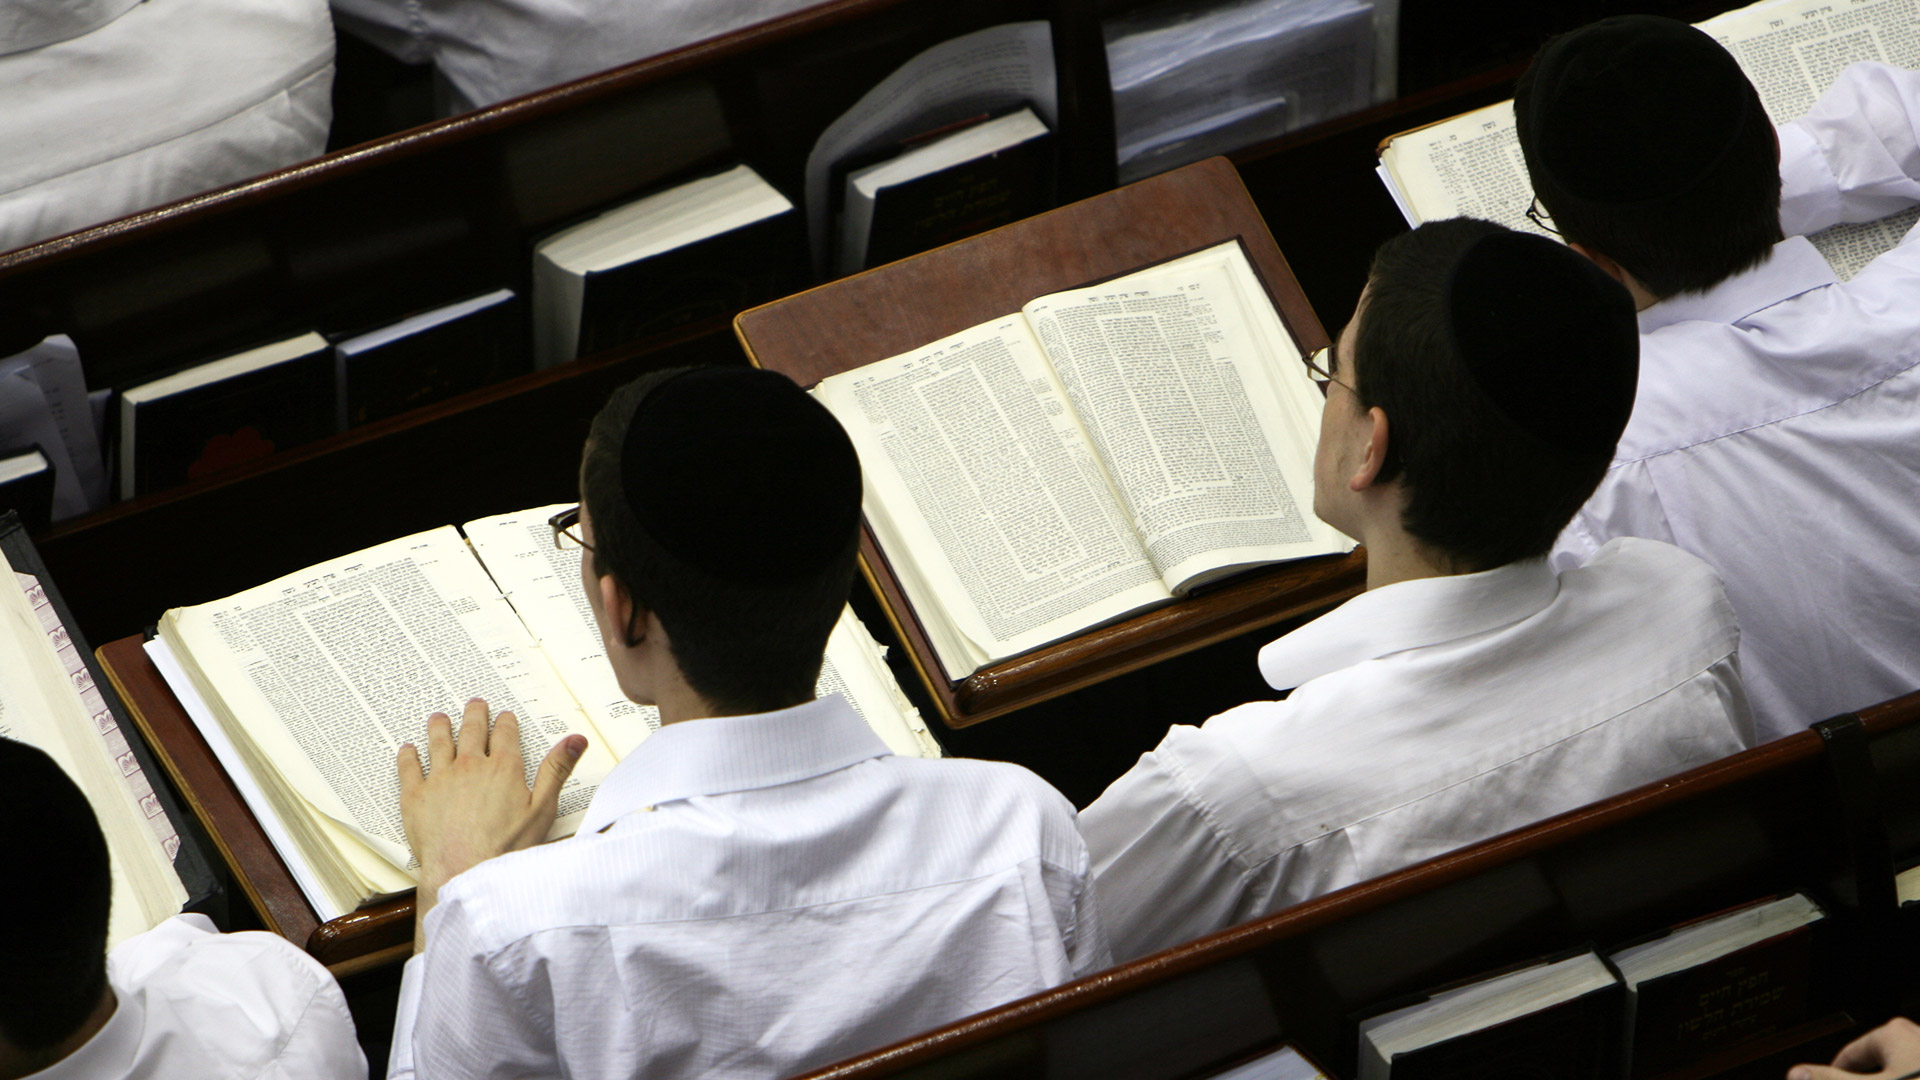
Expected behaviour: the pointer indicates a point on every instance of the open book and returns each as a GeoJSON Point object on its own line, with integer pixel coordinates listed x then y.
{"type": "Point", "coordinates": [1793, 50]}
{"type": "Point", "coordinates": [48, 700]}
{"type": "Point", "coordinates": [1101, 451]}
{"type": "Point", "coordinates": [314, 681]}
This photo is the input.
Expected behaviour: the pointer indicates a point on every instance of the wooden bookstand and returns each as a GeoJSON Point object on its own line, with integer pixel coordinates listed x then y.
{"type": "Point", "coordinates": [895, 308]}
{"type": "Point", "coordinates": [378, 934]}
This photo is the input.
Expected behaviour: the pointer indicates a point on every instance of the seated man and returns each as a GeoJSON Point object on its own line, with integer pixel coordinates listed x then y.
{"type": "Point", "coordinates": [179, 1000]}
{"type": "Point", "coordinates": [114, 106]}
{"type": "Point", "coordinates": [494, 50]}
{"type": "Point", "coordinates": [1777, 430]}
{"type": "Point", "coordinates": [1475, 398]}
{"type": "Point", "coordinates": [759, 888]}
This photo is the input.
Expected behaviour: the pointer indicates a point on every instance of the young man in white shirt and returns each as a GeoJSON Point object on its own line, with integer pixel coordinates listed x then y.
{"type": "Point", "coordinates": [1475, 398]}
{"type": "Point", "coordinates": [1777, 429]}
{"type": "Point", "coordinates": [759, 888]}
{"type": "Point", "coordinates": [179, 1000]}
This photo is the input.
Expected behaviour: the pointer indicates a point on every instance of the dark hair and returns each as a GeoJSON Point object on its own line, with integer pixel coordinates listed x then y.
{"type": "Point", "coordinates": [53, 933]}
{"type": "Point", "coordinates": [1591, 115]}
{"type": "Point", "coordinates": [745, 647]}
{"type": "Point", "coordinates": [1478, 487]}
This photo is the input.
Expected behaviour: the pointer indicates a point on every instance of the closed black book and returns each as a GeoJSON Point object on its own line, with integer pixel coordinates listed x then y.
{"type": "Point", "coordinates": [963, 184]}
{"type": "Point", "coordinates": [704, 249]}
{"type": "Point", "coordinates": [430, 357]}
{"type": "Point", "coordinates": [26, 487]}
{"type": "Point", "coordinates": [1557, 1019]}
{"type": "Point", "coordinates": [211, 417]}
{"type": "Point", "coordinates": [1710, 985]}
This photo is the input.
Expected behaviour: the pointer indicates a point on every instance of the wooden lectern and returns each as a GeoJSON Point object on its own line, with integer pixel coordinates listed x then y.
{"type": "Point", "coordinates": [833, 328]}
{"type": "Point", "coordinates": [380, 933]}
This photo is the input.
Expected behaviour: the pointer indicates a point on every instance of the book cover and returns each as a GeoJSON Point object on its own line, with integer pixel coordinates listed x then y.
{"type": "Point", "coordinates": [1577, 1039]}
{"type": "Point", "coordinates": [712, 278]}
{"type": "Point", "coordinates": [210, 418]}
{"type": "Point", "coordinates": [960, 201]}
{"type": "Point", "coordinates": [26, 487]}
{"type": "Point", "coordinates": [430, 357]}
{"type": "Point", "coordinates": [1747, 994]}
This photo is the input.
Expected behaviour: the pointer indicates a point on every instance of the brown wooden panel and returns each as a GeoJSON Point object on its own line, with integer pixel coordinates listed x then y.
{"type": "Point", "coordinates": [889, 310]}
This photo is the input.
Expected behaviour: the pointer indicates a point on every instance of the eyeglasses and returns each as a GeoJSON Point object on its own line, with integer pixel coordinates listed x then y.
{"type": "Point", "coordinates": [1540, 217]}
{"type": "Point", "coordinates": [566, 531]}
{"type": "Point", "coordinates": [1316, 363]}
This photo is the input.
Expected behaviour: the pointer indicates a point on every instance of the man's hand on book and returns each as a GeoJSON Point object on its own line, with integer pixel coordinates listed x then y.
{"type": "Point", "coordinates": [475, 804]}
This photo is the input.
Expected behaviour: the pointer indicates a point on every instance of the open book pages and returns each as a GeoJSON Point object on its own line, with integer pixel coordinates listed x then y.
{"type": "Point", "coordinates": [316, 679]}
{"type": "Point", "coordinates": [48, 701]}
{"type": "Point", "coordinates": [1793, 50]}
{"type": "Point", "coordinates": [1099, 452]}
{"type": "Point", "coordinates": [1476, 1007]}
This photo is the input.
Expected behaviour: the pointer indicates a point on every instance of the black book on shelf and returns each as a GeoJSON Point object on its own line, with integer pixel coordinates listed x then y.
{"type": "Point", "coordinates": [704, 249]}
{"type": "Point", "coordinates": [26, 486]}
{"type": "Point", "coordinates": [1735, 977]}
{"type": "Point", "coordinates": [429, 356]}
{"type": "Point", "coordinates": [958, 185]}
{"type": "Point", "coordinates": [1551, 1019]}
{"type": "Point", "coordinates": [207, 418]}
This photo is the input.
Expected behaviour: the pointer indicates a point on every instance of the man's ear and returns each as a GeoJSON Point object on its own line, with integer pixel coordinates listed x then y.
{"type": "Point", "coordinates": [621, 612]}
{"type": "Point", "coordinates": [1376, 455]}
{"type": "Point", "coordinates": [1614, 270]}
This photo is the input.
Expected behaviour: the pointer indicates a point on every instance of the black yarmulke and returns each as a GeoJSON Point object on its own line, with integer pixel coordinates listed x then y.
{"type": "Point", "coordinates": [1636, 108]}
{"type": "Point", "coordinates": [739, 473]}
{"type": "Point", "coordinates": [1549, 337]}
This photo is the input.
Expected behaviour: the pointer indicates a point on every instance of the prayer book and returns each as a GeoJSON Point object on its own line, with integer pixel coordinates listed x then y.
{"type": "Point", "coordinates": [1559, 1015]}
{"type": "Point", "coordinates": [306, 686]}
{"type": "Point", "coordinates": [26, 486]}
{"type": "Point", "coordinates": [1103, 450]}
{"type": "Point", "coordinates": [961, 183]}
{"type": "Point", "coordinates": [49, 699]}
{"type": "Point", "coordinates": [1719, 981]}
{"type": "Point", "coordinates": [698, 250]}
{"type": "Point", "coordinates": [1793, 51]}
{"type": "Point", "coordinates": [215, 415]}
{"type": "Point", "coordinates": [428, 357]}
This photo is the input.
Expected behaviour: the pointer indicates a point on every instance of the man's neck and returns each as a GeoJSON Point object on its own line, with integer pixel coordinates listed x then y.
{"type": "Point", "coordinates": [15, 1063]}
{"type": "Point", "coordinates": [1393, 556]}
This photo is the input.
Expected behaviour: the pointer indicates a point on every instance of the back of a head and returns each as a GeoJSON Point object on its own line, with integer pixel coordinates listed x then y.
{"type": "Point", "coordinates": [727, 501]}
{"type": "Point", "coordinates": [1506, 366]}
{"type": "Point", "coordinates": [1648, 144]}
{"type": "Point", "coordinates": [53, 922]}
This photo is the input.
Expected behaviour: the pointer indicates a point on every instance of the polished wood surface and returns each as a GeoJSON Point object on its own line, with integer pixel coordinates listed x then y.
{"type": "Point", "coordinates": [1748, 826]}
{"type": "Point", "coordinates": [378, 934]}
{"type": "Point", "coordinates": [895, 308]}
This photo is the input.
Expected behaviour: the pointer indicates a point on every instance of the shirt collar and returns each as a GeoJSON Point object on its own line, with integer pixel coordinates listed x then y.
{"type": "Point", "coordinates": [721, 754]}
{"type": "Point", "coordinates": [1409, 615]}
{"type": "Point", "coordinates": [1795, 266]}
{"type": "Point", "coordinates": [30, 24]}
{"type": "Point", "coordinates": [112, 1051]}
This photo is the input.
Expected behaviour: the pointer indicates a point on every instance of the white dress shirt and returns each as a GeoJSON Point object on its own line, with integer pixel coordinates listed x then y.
{"type": "Point", "coordinates": [109, 106]}
{"type": "Point", "coordinates": [1776, 433]}
{"type": "Point", "coordinates": [752, 896]}
{"type": "Point", "coordinates": [193, 1002]}
{"type": "Point", "coordinates": [491, 50]}
{"type": "Point", "coordinates": [1428, 714]}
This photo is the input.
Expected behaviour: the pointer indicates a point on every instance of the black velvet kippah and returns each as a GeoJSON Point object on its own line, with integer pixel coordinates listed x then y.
{"type": "Point", "coordinates": [1549, 337]}
{"type": "Point", "coordinates": [1635, 108]}
{"type": "Point", "coordinates": [49, 822]}
{"type": "Point", "coordinates": [742, 475]}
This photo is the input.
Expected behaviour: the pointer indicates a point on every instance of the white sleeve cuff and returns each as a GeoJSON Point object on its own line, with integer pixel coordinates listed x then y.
{"type": "Point", "coordinates": [1809, 192]}
{"type": "Point", "coordinates": [400, 1058]}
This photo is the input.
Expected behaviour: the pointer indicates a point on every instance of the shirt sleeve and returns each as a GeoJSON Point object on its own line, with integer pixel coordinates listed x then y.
{"type": "Point", "coordinates": [474, 1012]}
{"type": "Point", "coordinates": [400, 1056]}
{"type": "Point", "coordinates": [1160, 869]}
{"type": "Point", "coordinates": [1855, 156]}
